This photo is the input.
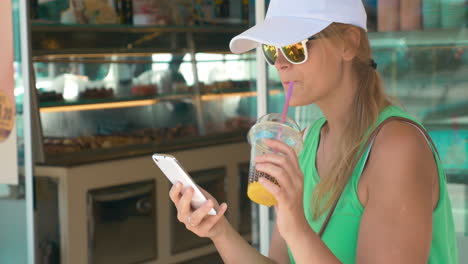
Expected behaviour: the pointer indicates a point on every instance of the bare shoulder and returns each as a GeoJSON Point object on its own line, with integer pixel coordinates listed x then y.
{"type": "Point", "coordinates": [400, 143]}
{"type": "Point", "coordinates": [399, 192]}
{"type": "Point", "coordinates": [400, 156]}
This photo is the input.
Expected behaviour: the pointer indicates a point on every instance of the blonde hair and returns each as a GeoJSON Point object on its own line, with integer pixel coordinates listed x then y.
{"type": "Point", "coordinates": [369, 100]}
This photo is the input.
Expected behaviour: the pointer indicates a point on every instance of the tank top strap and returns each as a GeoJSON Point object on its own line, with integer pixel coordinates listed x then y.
{"type": "Point", "coordinates": [312, 129]}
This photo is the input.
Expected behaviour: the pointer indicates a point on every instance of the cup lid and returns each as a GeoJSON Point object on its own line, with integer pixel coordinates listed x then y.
{"type": "Point", "coordinates": [276, 117]}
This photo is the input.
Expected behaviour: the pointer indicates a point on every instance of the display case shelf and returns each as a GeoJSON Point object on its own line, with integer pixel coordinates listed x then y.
{"type": "Point", "coordinates": [446, 112]}
{"type": "Point", "coordinates": [243, 94]}
{"type": "Point", "coordinates": [419, 39]}
{"type": "Point", "coordinates": [57, 27]}
{"type": "Point", "coordinates": [80, 39]}
{"type": "Point", "coordinates": [109, 103]}
{"type": "Point", "coordinates": [105, 154]}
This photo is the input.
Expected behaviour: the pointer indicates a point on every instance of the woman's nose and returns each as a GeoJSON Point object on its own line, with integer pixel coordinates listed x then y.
{"type": "Point", "coordinates": [281, 62]}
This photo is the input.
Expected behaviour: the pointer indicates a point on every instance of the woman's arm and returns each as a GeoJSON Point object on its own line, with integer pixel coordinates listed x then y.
{"type": "Point", "coordinates": [278, 248]}
{"type": "Point", "coordinates": [234, 249]}
{"type": "Point", "coordinates": [401, 184]}
{"type": "Point", "coordinates": [307, 247]}
{"type": "Point", "coordinates": [278, 253]}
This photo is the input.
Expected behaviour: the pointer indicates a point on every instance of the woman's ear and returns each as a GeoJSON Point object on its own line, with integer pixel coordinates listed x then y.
{"type": "Point", "coordinates": [352, 38]}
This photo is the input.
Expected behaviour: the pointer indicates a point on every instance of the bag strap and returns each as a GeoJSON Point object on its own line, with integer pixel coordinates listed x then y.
{"type": "Point", "coordinates": [369, 140]}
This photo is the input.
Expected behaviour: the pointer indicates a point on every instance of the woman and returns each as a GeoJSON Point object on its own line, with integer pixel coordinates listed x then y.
{"type": "Point", "coordinates": [393, 205]}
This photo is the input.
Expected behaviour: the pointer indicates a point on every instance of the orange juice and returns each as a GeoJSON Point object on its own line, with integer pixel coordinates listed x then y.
{"type": "Point", "coordinates": [257, 193]}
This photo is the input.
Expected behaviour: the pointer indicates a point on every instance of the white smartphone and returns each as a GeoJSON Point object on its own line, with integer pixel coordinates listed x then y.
{"type": "Point", "coordinates": [175, 173]}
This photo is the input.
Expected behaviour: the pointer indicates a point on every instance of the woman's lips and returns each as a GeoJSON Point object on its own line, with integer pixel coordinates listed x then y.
{"type": "Point", "coordinates": [287, 83]}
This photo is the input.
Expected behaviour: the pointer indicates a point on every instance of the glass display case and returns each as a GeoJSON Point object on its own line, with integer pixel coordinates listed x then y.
{"type": "Point", "coordinates": [123, 78]}
{"type": "Point", "coordinates": [101, 106]}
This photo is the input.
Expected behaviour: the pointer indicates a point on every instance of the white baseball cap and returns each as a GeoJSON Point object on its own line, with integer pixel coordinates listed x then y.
{"type": "Point", "coordinates": [291, 21]}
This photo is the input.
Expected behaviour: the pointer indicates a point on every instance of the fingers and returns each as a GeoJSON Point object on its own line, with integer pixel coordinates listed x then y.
{"type": "Point", "coordinates": [281, 175]}
{"type": "Point", "coordinates": [210, 221]}
{"type": "Point", "coordinates": [197, 216]}
{"type": "Point", "coordinates": [183, 206]}
{"type": "Point", "coordinates": [221, 210]}
{"type": "Point", "coordinates": [272, 188]}
{"type": "Point", "coordinates": [205, 228]}
{"type": "Point", "coordinates": [278, 160]}
{"type": "Point", "coordinates": [282, 148]}
{"type": "Point", "coordinates": [198, 221]}
{"type": "Point", "coordinates": [288, 162]}
{"type": "Point", "coordinates": [174, 193]}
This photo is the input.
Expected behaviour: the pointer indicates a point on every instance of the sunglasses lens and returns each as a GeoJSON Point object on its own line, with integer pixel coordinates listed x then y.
{"type": "Point", "coordinates": [270, 53]}
{"type": "Point", "coordinates": [295, 53]}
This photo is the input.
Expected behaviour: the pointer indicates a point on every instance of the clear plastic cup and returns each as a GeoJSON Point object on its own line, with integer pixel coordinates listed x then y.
{"type": "Point", "coordinates": [269, 127]}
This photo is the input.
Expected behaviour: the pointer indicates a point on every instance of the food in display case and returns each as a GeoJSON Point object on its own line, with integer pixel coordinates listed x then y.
{"type": "Point", "coordinates": [116, 106]}
{"type": "Point", "coordinates": [234, 124]}
{"type": "Point", "coordinates": [225, 86]}
{"type": "Point", "coordinates": [49, 96]}
{"type": "Point", "coordinates": [97, 93]}
{"type": "Point", "coordinates": [144, 90]}
{"type": "Point", "coordinates": [151, 12]}
{"type": "Point", "coordinates": [144, 136]}
{"type": "Point", "coordinates": [239, 123]}
{"type": "Point", "coordinates": [180, 87]}
{"type": "Point", "coordinates": [99, 12]}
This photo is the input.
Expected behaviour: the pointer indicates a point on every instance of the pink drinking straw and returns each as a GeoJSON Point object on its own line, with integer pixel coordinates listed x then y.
{"type": "Point", "coordinates": [285, 109]}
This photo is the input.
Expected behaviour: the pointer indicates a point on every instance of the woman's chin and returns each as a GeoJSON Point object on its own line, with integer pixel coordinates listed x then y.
{"type": "Point", "coordinates": [296, 103]}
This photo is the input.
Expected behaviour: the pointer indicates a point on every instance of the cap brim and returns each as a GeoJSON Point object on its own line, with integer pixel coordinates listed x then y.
{"type": "Point", "coordinates": [277, 31]}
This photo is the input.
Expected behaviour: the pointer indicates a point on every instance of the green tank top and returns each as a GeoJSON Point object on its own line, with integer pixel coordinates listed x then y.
{"type": "Point", "coordinates": [341, 233]}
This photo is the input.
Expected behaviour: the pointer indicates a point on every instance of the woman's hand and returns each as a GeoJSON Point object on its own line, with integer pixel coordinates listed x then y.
{"type": "Point", "coordinates": [283, 165]}
{"type": "Point", "coordinates": [198, 221]}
